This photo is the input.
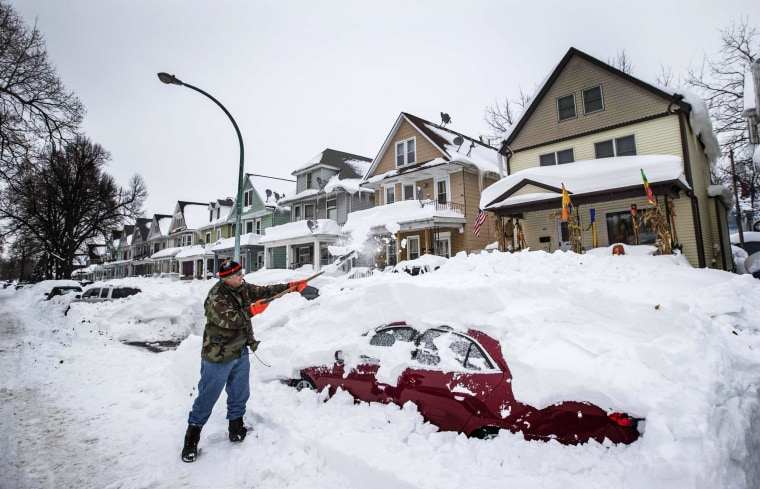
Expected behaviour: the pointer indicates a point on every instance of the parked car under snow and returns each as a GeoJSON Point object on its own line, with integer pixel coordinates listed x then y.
{"type": "Point", "coordinates": [460, 381]}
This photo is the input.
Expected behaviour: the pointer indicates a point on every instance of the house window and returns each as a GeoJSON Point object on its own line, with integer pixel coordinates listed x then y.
{"type": "Point", "coordinates": [443, 244]}
{"type": "Point", "coordinates": [308, 211]}
{"type": "Point", "coordinates": [441, 191]}
{"type": "Point", "coordinates": [408, 192]}
{"type": "Point", "coordinates": [592, 100]}
{"type": "Point", "coordinates": [296, 213]}
{"type": "Point", "coordinates": [258, 226]}
{"type": "Point", "coordinates": [566, 107]}
{"type": "Point", "coordinates": [218, 234]}
{"type": "Point", "coordinates": [413, 247]}
{"type": "Point", "coordinates": [332, 209]}
{"type": "Point", "coordinates": [188, 239]}
{"type": "Point", "coordinates": [156, 248]}
{"type": "Point", "coordinates": [620, 229]}
{"type": "Point", "coordinates": [248, 227]}
{"type": "Point", "coordinates": [557, 158]}
{"type": "Point", "coordinates": [390, 195]}
{"type": "Point", "coordinates": [248, 198]}
{"type": "Point", "coordinates": [208, 238]}
{"type": "Point", "coordinates": [308, 180]}
{"type": "Point", "coordinates": [625, 146]}
{"type": "Point", "coordinates": [405, 152]}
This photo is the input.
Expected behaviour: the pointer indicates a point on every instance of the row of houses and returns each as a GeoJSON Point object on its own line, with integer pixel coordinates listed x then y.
{"type": "Point", "coordinates": [590, 128]}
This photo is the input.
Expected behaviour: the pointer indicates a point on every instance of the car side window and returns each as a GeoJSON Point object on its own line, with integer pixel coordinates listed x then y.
{"type": "Point", "coordinates": [427, 352]}
{"type": "Point", "coordinates": [118, 294]}
{"type": "Point", "coordinates": [469, 355]}
{"type": "Point", "coordinates": [104, 293]}
{"type": "Point", "coordinates": [388, 337]}
{"type": "Point", "coordinates": [91, 293]}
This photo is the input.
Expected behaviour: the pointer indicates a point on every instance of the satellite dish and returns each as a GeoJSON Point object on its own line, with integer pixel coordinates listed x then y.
{"type": "Point", "coordinates": [319, 181]}
{"type": "Point", "coordinates": [312, 225]}
{"type": "Point", "coordinates": [458, 140]}
{"type": "Point", "coordinates": [276, 196]}
{"type": "Point", "coordinates": [445, 119]}
{"type": "Point", "coordinates": [268, 192]}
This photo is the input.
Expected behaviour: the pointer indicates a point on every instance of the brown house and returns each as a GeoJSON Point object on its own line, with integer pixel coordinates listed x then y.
{"type": "Point", "coordinates": [594, 129]}
{"type": "Point", "coordinates": [427, 181]}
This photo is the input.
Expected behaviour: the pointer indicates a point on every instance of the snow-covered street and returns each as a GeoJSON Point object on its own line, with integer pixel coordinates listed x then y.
{"type": "Point", "coordinates": [647, 335]}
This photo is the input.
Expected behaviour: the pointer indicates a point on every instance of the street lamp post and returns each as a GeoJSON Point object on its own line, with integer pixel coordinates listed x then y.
{"type": "Point", "coordinates": [173, 80]}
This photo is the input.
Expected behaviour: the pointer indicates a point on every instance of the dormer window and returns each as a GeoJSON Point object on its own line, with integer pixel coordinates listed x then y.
{"type": "Point", "coordinates": [308, 180]}
{"type": "Point", "coordinates": [566, 107]}
{"type": "Point", "coordinates": [592, 100]}
{"type": "Point", "coordinates": [406, 153]}
{"type": "Point", "coordinates": [248, 198]}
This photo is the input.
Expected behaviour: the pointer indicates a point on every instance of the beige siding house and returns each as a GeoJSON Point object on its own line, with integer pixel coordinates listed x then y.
{"type": "Point", "coordinates": [591, 117]}
{"type": "Point", "coordinates": [427, 180]}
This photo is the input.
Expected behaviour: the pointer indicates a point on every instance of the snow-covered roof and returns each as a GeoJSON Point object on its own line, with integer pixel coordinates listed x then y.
{"type": "Point", "coordinates": [196, 215]}
{"type": "Point", "coordinates": [470, 152]}
{"type": "Point", "coordinates": [164, 223]}
{"type": "Point", "coordinates": [300, 229]}
{"type": "Point", "coordinates": [584, 177]}
{"type": "Point", "coordinates": [248, 239]}
{"type": "Point", "coordinates": [390, 217]}
{"type": "Point", "coordinates": [165, 253]}
{"type": "Point", "coordinates": [271, 190]}
{"type": "Point", "coordinates": [194, 251]}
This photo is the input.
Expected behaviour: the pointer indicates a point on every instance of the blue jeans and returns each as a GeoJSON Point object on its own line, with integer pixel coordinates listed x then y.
{"type": "Point", "coordinates": [231, 376]}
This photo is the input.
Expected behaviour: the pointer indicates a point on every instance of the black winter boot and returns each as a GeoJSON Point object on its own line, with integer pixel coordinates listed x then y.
{"type": "Point", "coordinates": [192, 437]}
{"type": "Point", "coordinates": [237, 430]}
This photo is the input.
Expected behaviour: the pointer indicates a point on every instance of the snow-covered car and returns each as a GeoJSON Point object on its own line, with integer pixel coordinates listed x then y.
{"type": "Point", "coordinates": [749, 255]}
{"type": "Point", "coordinates": [62, 290]}
{"type": "Point", "coordinates": [460, 382]}
{"type": "Point", "coordinates": [421, 265]}
{"type": "Point", "coordinates": [102, 293]}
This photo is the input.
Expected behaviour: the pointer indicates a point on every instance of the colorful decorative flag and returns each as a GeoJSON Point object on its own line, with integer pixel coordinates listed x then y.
{"type": "Point", "coordinates": [479, 221]}
{"type": "Point", "coordinates": [650, 196]}
{"type": "Point", "coordinates": [565, 203]}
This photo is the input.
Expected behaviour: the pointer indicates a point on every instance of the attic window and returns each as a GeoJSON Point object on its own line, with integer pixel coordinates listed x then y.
{"type": "Point", "coordinates": [406, 153]}
{"type": "Point", "coordinates": [592, 100]}
{"type": "Point", "coordinates": [248, 198]}
{"type": "Point", "coordinates": [566, 107]}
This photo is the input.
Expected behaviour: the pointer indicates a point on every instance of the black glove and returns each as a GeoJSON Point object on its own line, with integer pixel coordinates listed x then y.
{"type": "Point", "coordinates": [253, 345]}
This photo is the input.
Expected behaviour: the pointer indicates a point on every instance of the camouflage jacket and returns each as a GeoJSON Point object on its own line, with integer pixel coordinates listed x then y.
{"type": "Point", "coordinates": [228, 319]}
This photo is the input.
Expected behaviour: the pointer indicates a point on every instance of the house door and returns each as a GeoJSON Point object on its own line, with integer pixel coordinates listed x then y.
{"type": "Point", "coordinates": [563, 235]}
{"type": "Point", "coordinates": [259, 260]}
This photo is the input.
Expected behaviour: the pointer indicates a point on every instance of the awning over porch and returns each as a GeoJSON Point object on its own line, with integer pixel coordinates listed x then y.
{"type": "Point", "coordinates": [228, 244]}
{"type": "Point", "coordinates": [299, 231]}
{"type": "Point", "coordinates": [165, 254]}
{"type": "Point", "coordinates": [193, 252]}
{"type": "Point", "coordinates": [402, 216]}
{"type": "Point", "coordinates": [587, 182]}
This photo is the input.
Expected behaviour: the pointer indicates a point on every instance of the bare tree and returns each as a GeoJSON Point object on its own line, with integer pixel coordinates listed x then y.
{"type": "Point", "coordinates": [500, 117]}
{"type": "Point", "coordinates": [622, 62]}
{"type": "Point", "coordinates": [64, 198]}
{"type": "Point", "coordinates": [35, 108]}
{"type": "Point", "coordinates": [719, 80]}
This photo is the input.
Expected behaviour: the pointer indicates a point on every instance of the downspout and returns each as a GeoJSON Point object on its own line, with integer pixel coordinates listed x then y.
{"type": "Point", "coordinates": [689, 179]}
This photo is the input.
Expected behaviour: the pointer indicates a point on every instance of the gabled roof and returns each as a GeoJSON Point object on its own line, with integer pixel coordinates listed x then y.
{"type": "Point", "coordinates": [348, 165]}
{"type": "Point", "coordinates": [160, 224]}
{"type": "Point", "coordinates": [271, 189]}
{"type": "Point", "coordinates": [471, 151]}
{"type": "Point", "coordinates": [686, 101]}
{"type": "Point", "coordinates": [142, 228]}
{"type": "Point", "coordinates": [195, 214]}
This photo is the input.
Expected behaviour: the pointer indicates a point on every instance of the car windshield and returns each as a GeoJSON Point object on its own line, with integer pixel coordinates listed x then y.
{"type": "Point", "coordinates": [91, 293]}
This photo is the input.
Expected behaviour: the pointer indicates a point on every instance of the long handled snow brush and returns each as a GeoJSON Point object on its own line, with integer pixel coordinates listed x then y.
{"type": "Point", "coordinates": [260, 305]}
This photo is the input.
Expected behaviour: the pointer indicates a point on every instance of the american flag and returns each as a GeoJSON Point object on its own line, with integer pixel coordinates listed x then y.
{"type": "Point", "coordinates": [479, 220]}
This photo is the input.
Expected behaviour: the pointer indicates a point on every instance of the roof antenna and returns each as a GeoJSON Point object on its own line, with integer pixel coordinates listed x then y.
{"type": "Point", "coordinates": [445, 119]}
{"type": "Point", "coordinates": [472, 145]}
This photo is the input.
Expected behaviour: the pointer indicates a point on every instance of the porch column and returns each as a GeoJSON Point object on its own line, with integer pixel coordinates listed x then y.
{"type": "Point", "coordinates": [317, 256]}
{"type": "Point", "coordinates": [288, 251]}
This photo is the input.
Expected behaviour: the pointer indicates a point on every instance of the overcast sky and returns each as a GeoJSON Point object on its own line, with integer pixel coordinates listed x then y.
{"type": "Point", "coordinates": [301, 76]}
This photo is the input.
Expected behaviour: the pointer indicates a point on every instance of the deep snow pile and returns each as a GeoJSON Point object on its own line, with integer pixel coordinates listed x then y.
{"type": "Point", "coordinates": [648, 335]}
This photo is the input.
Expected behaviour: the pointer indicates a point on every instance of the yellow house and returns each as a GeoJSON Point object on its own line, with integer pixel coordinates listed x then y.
{"type": "Point", "coordinates": [596, 129]}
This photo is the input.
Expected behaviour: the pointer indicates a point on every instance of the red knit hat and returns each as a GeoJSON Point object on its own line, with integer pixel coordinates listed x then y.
{"type": "Point", "coordinates": [228, 267]}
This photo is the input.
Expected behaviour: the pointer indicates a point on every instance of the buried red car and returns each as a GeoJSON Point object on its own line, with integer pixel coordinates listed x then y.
{"type": "Point", "coordinates": [461, 382]}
